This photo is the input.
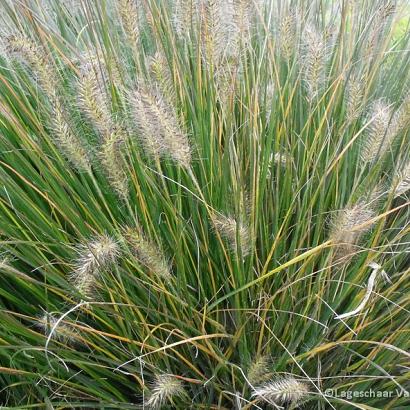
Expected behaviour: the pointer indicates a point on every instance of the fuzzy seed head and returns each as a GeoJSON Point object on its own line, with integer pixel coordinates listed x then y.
{"type": "Point", "coordinates": [283, 391]}
{"type": "Point", "coordinates": [243, 18]}
{"type": "Point", "coordinates": [402, 183]}
{"type": "Point", "coordinates": [158, 126]}
{"type": "Point", "coordinates": [62, 333]}
{"type": "Point", "coordinates": [38, 61]}
{"type": "Point", "coordinates": [213, 30]}
{"type": "Point", "coordinates": [94, 257]}
{"type": "Point", "coordinates": [225, 29]}
{"type": "Point", "coordinates": [380, 18]}
{"type": "Point", "coordinates": [92, 93]}
{"type": "Point", "coordinates": [354, 98]}
{"type": "Point", "coordinates": [21, 47]}
{"type": "Point", "coordinates": [148, 253]}
{"type": "Point", "coordinates": [313, 61]}
{"type": "Point", "coordinates": [129, 15]}
{"type": "Point", "coordinates": [287, 36]}
{"type": "Point", "coordinates": [269, 99]}
{"type": "Point", "coordinates": [401, 118]}
{"type": "Point", "coordinates": [183, 17]}
{"type": "Point", "coordinates": [160, 73]}
{"type": "Point", "coordinates": [348, 227]}
{"type": "Point", "coordinates": [66, 140]}
{"type": "Point", "coordinates": [231, 230]}
{"type": "Point", "coordinates": [148, 131]}
{"type": "Point", "coordinates": [259, 370]}
{"type": "Point", "coordinates": [164, 390]}
{"type": "Point", "coordinates": [378, 138]}
{"type": "Point", "coordinates": [112, 162]}
{"type": "Point", "coordinates": [226, 82]}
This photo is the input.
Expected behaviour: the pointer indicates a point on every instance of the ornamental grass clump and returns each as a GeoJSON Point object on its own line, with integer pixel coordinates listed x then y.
{"type": "Point", "coordinates": [204, 204]}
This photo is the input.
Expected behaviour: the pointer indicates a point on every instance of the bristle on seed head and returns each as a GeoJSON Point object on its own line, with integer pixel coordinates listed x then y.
{"type": "Point", "coordinates": [67, 140]}
{"type": "Point", "coordinates": [112, 162]}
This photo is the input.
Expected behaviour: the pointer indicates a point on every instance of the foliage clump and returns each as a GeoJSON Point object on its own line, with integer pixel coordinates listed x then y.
{"type": "Point", "coordinates": [198, 199]}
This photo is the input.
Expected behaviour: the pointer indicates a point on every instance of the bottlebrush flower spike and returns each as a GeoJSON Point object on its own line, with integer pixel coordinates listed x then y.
{"type": "Point", "coordinates": [158, 126]}
{"type": "Point", "coordinates": [225, 29]}
{"type": "Point", "coordinates": [216, 17]}
{"type": "Point", "coordinates": [183, 16]}
{"type": "Point", "coordinates": [112, 161]}
{"type": "Point", "coordinates": [385, 10]}
{"type": "Point", "coordinates": [401, 118]}
{"type": "Point", "coordinates": [354, 98]}
{"type": "Point", "coordinates": [161, 74]}
{"type": "Point", "coordinates": [148, 253]}
{"type": "Point", "coordinates": [94, 257]}
{"type": "Point", "coordinates": [313, 61]}
{"type": "Point", "coordinates": [348, 227]}
{"type": "Point", "coordinates": [164, 390]}
{"type": "Point", "coordinates": [67, 140]}
{"type": "Point", "coordinates": [129, 15]}
{"type": "Point", "coordinates": [378, 139]}
{"type": "Point", "coordinates": [62, 332]}
{"type": "Point", "coordinates": [244, 15]}
{"type": "Point", "coordinates": [92, 93]}
{"type": "Point", "coordinates": [36, 58]}
{"type": "Point", "coordinates": [225, 79]}
{"type": "Point", "coordinates": [287, 36]}
{"type": "Point", "coordinates": [402, 182]}
{"type": "Point", "coordinates": [231, 230]}
{"type": "Point", "coordinates": [284, 391]}
{"type": "Point", "coordinates": [259, 370]}
{"type": "Point", "coordinates": [26, 50]}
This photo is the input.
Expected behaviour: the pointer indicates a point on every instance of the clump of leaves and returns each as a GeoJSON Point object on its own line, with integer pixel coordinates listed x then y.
{"type": "Point", "coordinates": [191, 196]}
